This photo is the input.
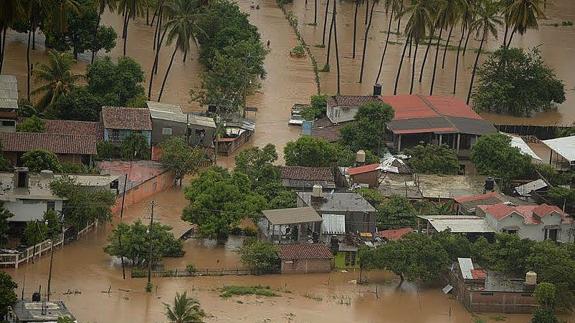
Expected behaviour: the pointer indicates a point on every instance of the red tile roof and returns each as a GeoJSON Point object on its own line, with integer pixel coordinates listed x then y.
{"type": "Point", "coordinates": [307, 173]}
{"type": "Point", "coordinates": [531, 214]}
{"type": "Point", "coordinates": [304, 251]}
{"type": "Point", "coordinates": [56, 143]}
{"type": "Point", "coordinates": [71, 127]}
{"type": "Point", "coordinates": [478, 274]}
{"type": "Point", "coordinates": [394, 234]}
{"type": "Point", "coordinates": [362, 169]}
{"type": "Point", "coordinates": [419, 106]}
{"type": "Point", "coordinates": [126, 118]}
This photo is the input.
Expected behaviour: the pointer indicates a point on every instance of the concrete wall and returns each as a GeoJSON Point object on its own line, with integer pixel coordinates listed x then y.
{"type": "Point", "coordinates": [29, 210]}
{"type": "Point", "coordinates": [178, 130]}
{"type": "Point", "coordinates": [144, 190]}
{"type": "Point", "coordinates": [534, 232]}
{"type": "Point", "coordinates": [304, 266]}
{"type": "Point", "coordinates": [370, 178]}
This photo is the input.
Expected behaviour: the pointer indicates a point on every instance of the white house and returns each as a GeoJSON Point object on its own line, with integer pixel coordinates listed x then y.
{"type": "Point", "coordinates": [535, 222]}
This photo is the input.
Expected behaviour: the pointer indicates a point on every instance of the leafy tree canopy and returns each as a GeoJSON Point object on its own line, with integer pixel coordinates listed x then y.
{"type": "Point", "coordinates": [316, 152]}
{"type": "Point", "coordinates": [32, 124]}
{"type": "Point", "coordinates": [259, 256]}
{"type": "Point", "coordinates": [433, 159]}
{"type": "Point", "coordinates": [7, 294]}
{"type": "Point", "coordinates": [38, 160]}
{"type": "Point", "coordinates": [135, 147]}
{"type": "Point", "coordinates": [396, 212]}
{"type": "Point", "coordinates": [180, 158]}
{"type": "Point", "coordinates": [184, 310]}
{"type": "Point", "coordinates": [4, 216]}
{"type": "Point", "coordinates": [516, 82]}
{"type": "Point", "coordinates": [368, 129]}
{"type": "Point", "coordinates": [258, 165]}
{"type": "Point", "coordinates": [116, 84]}
{"type": "Point", "coordinates": [317, 108]}
{"type": "Point", "coordinates": [79, 104]}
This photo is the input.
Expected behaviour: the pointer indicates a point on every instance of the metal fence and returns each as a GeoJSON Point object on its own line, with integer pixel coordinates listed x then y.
{"type": "Point", "coordinates": [137, 273]}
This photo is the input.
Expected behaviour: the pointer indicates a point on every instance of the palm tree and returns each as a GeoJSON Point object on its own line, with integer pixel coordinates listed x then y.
{"type": "Point", "coordinates": [182, 27]}
{"type": "Point", "coordinates": [101, 6]}
{"type": "Point", "coordinates": [420, 21]}
{"type": "Point", "coordinates": [486, 23]}
{"type": "Point", "coordinates": [373, 3]}
{"type": "Point", "coordinates": [523, 15]}
{"type": "Point", "coordinates": [356, 6]}
{"type": "Point", "coordinates": [466, 20]}
{"type": "Point", "coordinates": [315, 12]}
{"type": "Point", "coordinates": [391, 6]}
{"type": "Point", "coordinates": [434, 11]}
{"type": "Point", "coordinates": [325, 23]}
{"type": "Point", "coordinates": [442, 13]}
{"type": "Point", "coordinates": [132, 9]}
{"type": "Point", "coordinates": [456, 9]}
{"type": "Point", "coordinates": [58, 11]}
{"type": "Point", "coordinates": [184, 310]}
{"type": "Point", "coordinates": [57, 76]}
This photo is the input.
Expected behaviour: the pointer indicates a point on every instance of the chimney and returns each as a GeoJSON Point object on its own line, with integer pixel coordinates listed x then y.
{"type": "Point", "coordinates": [377, 89]}
{"type": "Point", "coordinates": [21, 177]}
{"type": "Point", "coordinates": [360, 157]}
{"type": "Point", "coordinates": [317, 192]}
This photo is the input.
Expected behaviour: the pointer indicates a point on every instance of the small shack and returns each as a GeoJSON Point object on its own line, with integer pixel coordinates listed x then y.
{"type": "Point", "coordinates": [237, 131]}
{"type": "Point", "coordinates": [305, 258]}
{"type": "Point", "coordinates": [36, 312]}
{"type": "Point", "coordinates": [292, 224]}
{"type": "Point", "coordinates": [365, 175]}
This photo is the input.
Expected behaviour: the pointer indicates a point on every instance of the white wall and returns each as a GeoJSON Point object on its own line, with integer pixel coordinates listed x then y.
{"type": "Point", "coordinates": [29, 210]}
{"type": "Point", "coordinates": [534, 232]}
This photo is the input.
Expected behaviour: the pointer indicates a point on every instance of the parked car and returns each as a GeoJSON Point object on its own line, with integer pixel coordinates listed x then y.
{"type": "Point", "coordinates": [296, 118]}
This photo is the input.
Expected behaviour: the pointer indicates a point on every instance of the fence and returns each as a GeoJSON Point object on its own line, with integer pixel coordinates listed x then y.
{"type": "Point", "coordinates": [16, 258]}
{"type": "Point", "coordinates": [137, 273]}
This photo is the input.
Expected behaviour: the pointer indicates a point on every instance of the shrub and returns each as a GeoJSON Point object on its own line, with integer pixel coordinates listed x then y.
{"type": "Point", "coordinates": [298, 51]}
{"type": "Point", "coordinates": [191, 268]}
{"type": "Point", "coordinates": [107, 150]}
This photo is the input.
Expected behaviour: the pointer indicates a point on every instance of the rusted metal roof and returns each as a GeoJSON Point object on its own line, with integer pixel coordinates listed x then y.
{"type": "Point", "coordinates": [292, 215]}
{"type": "Point", "coordinates": [304, 251]}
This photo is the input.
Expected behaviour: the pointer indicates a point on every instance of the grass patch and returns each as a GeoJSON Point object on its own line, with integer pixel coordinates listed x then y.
{"type": "Point", "coordinates": [314, 297]}
{"type": "Point", "coordinates": [325, 68]}
{"type": "Point", "coordinates": [340, 262]}
{"type": "Point", "coordinates": [319, 46]}
{"type": "Point", "coordinates": [229, 291]}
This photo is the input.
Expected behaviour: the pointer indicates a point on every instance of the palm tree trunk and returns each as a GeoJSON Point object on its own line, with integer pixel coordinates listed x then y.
{"type": "Point", "coordinates": [185, 56]}
{"type": "Point", "coordinates": [336, 47]}
{"type": "Point", "coordinates": [125, 32]}
{"type": "Point", "coordinates": [445, 47]}
{"type": "Point", "coordinates": [167, 72]}
{"type": "Point", "coordinates": [147, 15]}
{"type": "Point", "coordinates": [315, 12]}
{"type": "Point", "coordinates": [413, 67]}
{"type": "Point", "coordinates": [325, 23]}
{"type": "Point", "coordinates": [158, 28]}
{"type": "Point", "coordinates": [365, 41]}
{"type": "Point", "coordinates": [3, 47]}
{"type": "Point", "coordinates": [511, 37]}
{"type": "Point", "coordinates": [435, 62]}
{"type": "Point", "coordinates": [329, 41]}
{"type": "Point", "coordinates": [95, 38]}
{"type": "Point", "coordinates": [466, 41]}
{"type": "Point", "coordinates": [384, 47]}
{"type": "Point", "coordinates": [160, 40]}
{"type": "Point", "coordinates": [34, 36]}
{"type": "Point", "coordinates": [475, 66]}
{"type": "Point", "coordinates": [457, 59]}
{"type": "Point", "coordinates": [505, 34]}
{"type": "Point", "coordinates": [354, 27]}
{"type": "Point", "coordinates": [399, 20]}
{"type": "Point", "coordinates": [425, 55]}
{"type": "Point", "coordinates": [155, 65]}
{"type": "Point", "coordinates": [28, 66]}
{"type": "Point", "coordinates": [399, 66]}
{"type": "Point", "coordinates": [366, 11]}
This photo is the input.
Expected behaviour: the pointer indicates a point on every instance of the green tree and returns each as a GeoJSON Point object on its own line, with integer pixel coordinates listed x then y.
{"type": "Point", "coordinates": [368, 129]}
{"type": "Point", "coordinates": [38, 160]}
{"type": "Point", "coordinates": [513, 81]}
{"type": "Point", "coordinates": [396, 212]}
{"type": "Point", "coordinates": [136, 241]}
{"type": "Point", "coordinates": [258, 165]}
{"type": "Point", "coordinates": [219, 200]}
{"type": "Point", "coordinates": [493, 155]}
{"type": "Point", "coordinates": [53, 225]}
{"type": "Point", "coordinates": [4, 216]}
{"type": "Point", "coordinates": [32, 124]}
{"type": "Point", "coordinates": [285, 199]}
{"type": "Point", "coordinates": [180, 158]}
{"type": "Point", "coordinates": [310, 151]}
{"type": "Point", "coordinates": [135, 147]}
{"type": "Point", "coordinates": [116, 84]}
{"type": "Point", "coordinates": [65, 319]}
{"type": "Point", "coordinates": [7, 294]}
{"type": "Point", "coordinates": [561, 196]}
{"type": "Point", "coordinates": [184, 310]}
{"type": "Point", "coordinates": [5, 164]}
{"type": "Point", "coordinates": [546, 295]}
{"type": "Point", "coordinates": [79, 104]}
{"type": "Point", "coordinates": [433, 159]}
{"type": "Point", "coordinates": [57, 77]}
{"type": "Point", "coordinates": [259, 256]}
{"type": "Point", "coordinates": [544, 315]}
{"type": "Point", "coordinates": [317, 107]}
{"type": "Point", "coordinates": [35, 232]}
{"type": "Point", "coordinates": [456, 245]}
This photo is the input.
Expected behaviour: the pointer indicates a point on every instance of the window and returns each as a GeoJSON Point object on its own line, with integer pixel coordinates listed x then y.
{"type": "Point", "coordinates": [167, 131]}
{"type": "Point", "coordinates": [510, 231]}
{"type": "Point", "coordinates": [8, 123]}
{"type": "Point", "coordinates": [551, 234]}
{"type": "Point", "coordinates": [51, 205]}
{"type": "Point", "coordinates": [115, 135]}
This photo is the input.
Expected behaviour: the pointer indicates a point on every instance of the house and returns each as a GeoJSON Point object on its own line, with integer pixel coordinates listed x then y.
{"type": "Point", "coordinates": [120, 122]}
{"type": "Point", "coordinates": [365, 175]}
{"type": "Point", "coordinates": [535, 222]}
{"type": "Point", "coordinates": [394, 234]}
{"type": "Point", "coordinates": [28, 195]}
{"type": "Point", "coordinates": [292, 224]}
{"type": "Point", "coordinates": [562, 152]}
{"type": "Point", "coordinates": [169, 120]}
{"type": "Point", "coordinates": [38, 311]}
{"type": "Point", "coordinates": [466, 204]}
{"type": "Point", "coordinates": [237, 131]}
{"type": "Point", "coordinates": [343, 108]}
{"type": "Point", "coordinates": [303, 178]}
{"type": "Point", "coordinates": [483, 290]}
{"type": "Point", "coordinates": [305, 258]}
{"type": "Point", "coordinates": [8, 103]}
{"type": "Point", "coordinates": [471, 226]}
{"type": "Point", "coordinates": [359, 214]}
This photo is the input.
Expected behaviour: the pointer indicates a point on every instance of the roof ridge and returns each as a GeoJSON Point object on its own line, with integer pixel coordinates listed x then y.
{"type": "Point", "coordinates": [432, 107]}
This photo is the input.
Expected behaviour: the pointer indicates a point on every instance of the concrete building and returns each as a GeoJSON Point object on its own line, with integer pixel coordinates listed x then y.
{"type": "Point", "coordinates": [8, 103]}
{"type": "Point", "coordinates": [487, 291]}
{"type": "Point", "coordinates": [304, 178]}
{"type": "Point", "coordinates": [291, 225]}
{"type": "Point", "coordinates": [359, 214]}
{"type": "Point", "coordinates": [305, 258]}
{"type": "Point", "coordinates": [561, 152]}
{"type": "Point", "coordinates": [120, 122]}
{"type": "Point", "coordinates": [365, 175]}
{"type": "Point", "coordinates": [343, 108]}
{"type": "Point", "coordinates": [37, 312]}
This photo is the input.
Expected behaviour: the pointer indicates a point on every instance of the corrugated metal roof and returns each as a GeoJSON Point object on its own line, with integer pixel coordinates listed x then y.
{"type": "Point", "coordinates": [8, 92]}
{"type": "Point", "coordinates": [526, 189]}
{"type": "Point", "coordinates": [292, 215]}
{"type": "Point", "coordinates": [458, 223]}
{"type": "Point", "coordinates": [164, 111]}
{"type": "Point", "coordinates": [201, 121]}
{"type": "Point", "coordinates": [466, 266]}
{"type": "Point", "coordinates": [518, 142]}
{"type": "Point", "coordinates": [333, 224]}
{"type": "Point", "coordinates": [564, 146]}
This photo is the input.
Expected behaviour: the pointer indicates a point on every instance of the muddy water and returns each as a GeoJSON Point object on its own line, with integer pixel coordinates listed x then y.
{"type": "Point", "coordinates": [557, 45]}
{"type": "Point", "coordinates": [84, 267]}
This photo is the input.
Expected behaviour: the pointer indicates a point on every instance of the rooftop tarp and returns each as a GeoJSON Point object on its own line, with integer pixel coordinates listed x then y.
{"type": "Point", "coordinates": [458, 223]}
{"type": "Point", "coordinates": [292, 216]}
{"type": "Point", "coordinates": [564, 146]}
{"type": "Point", "coordinates": [333, 224]}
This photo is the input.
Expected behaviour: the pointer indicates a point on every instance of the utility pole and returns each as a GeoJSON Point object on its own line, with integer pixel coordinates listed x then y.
{"type": "Point", "coordinates": [50, 270]}
{"type": "Point", "coordinates": [148, 286]}
{"type": "Point", "coordinates": [120, 232]}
